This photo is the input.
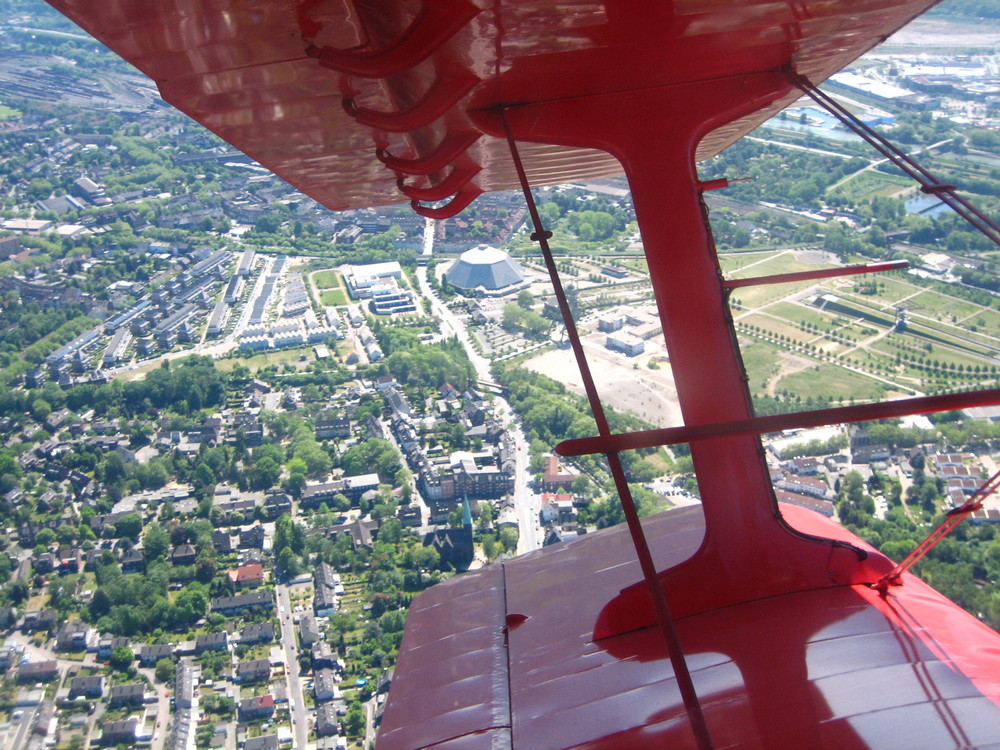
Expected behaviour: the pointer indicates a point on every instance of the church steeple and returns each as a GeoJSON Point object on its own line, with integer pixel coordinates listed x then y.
{"type": "Point", "coordinates": [466, 513]}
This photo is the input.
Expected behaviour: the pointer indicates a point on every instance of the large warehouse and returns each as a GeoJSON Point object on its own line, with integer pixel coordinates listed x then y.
{"type": "Point", "coordinates": [487, 268]}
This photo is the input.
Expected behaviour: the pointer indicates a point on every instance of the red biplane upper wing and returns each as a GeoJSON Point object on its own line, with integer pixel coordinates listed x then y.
{"type": "Point", "coordinates": [314, 90]}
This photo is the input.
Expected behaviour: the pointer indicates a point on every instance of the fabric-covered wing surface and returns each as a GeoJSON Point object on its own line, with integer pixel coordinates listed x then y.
{"type": "Point", "coordinates": [833, 669]}
{"type": "Point", "coordinates": [266, 75]}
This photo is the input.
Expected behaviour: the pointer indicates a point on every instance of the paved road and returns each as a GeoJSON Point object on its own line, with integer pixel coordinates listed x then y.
{"type": "Point", "coordinates": [450, 325]}
{"type": "Point", "coordinates": [904, 482]}
{"type": "Point", "coordinates": [23, 725]}
{"type": "Point", "coordinates": [300, 721]}
{"type": "Point", "coordinates": [526, 501]}
{"type": "Point", "coordinates": [161, 728]}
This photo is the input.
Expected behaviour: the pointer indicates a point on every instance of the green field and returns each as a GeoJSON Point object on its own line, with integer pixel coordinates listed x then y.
{"type": "Point", "coordinates": [778, 327]}
{"type": "Point", "coordinates": [986, 322]}
{"type": "Point", "coordinates": [266, 358]}
{"type": "Point", "coordinates": [855, 330]}
{"type": "Point", "coordinates": [781, 262]}
{"type": "Point", "coordinates": [756, 296]}
{"type": "Point", "coordinates": [960, 338]}
{"type": "Point", "coordinates": [833, 382]}
{"type": "Point", "coordinates": [639, 265]}
{"type": "Point", "coordinates": [941, 307]}
{"type": "Point", "coordinates": [8, 113]}
{"type": "Point", "coordinates": [760, 360]}
{"type": "Point", "coordinates": [333, 297]}
{"type": "Point", "coordinates": [800, 313]}
{"type": "Point", "coordinates": [327, 279]}
{"type": "Point", "coordinates": [893, 290]}
{"type": "Point", "coordinates": [866, 185]}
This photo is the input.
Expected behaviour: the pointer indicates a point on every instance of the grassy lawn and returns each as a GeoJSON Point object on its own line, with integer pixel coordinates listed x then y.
{"type": "Point", "coordinates": [986, 322]}
{"type": "Point", "coordinates": [868, 302]}
{"type": "Point", "coordinates": [638, 265]}
{"type": "Point", "coordinates": [7, 113]}
{"type": "Point", "coordinates": [866, 185]}
{"type": "Point", "coordinates": [756, 296]}
{"type": "Point", "coordinates": [892, 290]}
{"type": "Point", "coordinates": [760, 360]}
{"type": "Point", "coordinates": [781, 262]}
{"type": "Point", "coordinates": [138, 373]}
{"type": "Point", "coordinates": [898, 343]}
{"type": "Point", "coordinates": [777, 326]}
{"type": "Point", "coordinates": [799, 313]}
{"type": "Point", "coordinates": [941, 307]}
{"type": "Point", "coordinates": [661, 461]}
{"type": "Point", "coordinates": [732, 262]}
{"type": "Point", "coordinates": [327, 279]}
{"type": "Point", "coordinates": [937, 337]}
{"type": "Point", "coordinates": [264, 359]}
{"type": "Point", "coordinates": [832, 381]}
{"type": "Point", "coordinates": [960, 337]}
{"type": "Point", "coordinates": [333, 297]}
{"type": "Point", "coordinates": [344, 349]}
{"type": "Point", "coordinates": [782, 328]}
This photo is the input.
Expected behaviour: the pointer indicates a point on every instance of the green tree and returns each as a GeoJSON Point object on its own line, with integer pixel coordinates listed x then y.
{"type": "Point", "coordinates": [508, 538]}
{"type": "Point", "coordinates": [165, 670]}
{"type": "Point", "coordinates": [288, 563]}
{"type": "Point", "coordinates": [373, 455]}
{"type": "Point", "coordinates": [316, 459]}
{"type": "Point", "coordinates": [354, 722]}
{"type": "Point", "coordinates": [121, 658]}
{"type": "Point", "coordinates": [203, 476]}
{"type": "Point", "coordinates": [155, 542]}
{"type": "Point", "coordinates": [40, 409]}
{"type": "Point", "coordinates": [129, 525]}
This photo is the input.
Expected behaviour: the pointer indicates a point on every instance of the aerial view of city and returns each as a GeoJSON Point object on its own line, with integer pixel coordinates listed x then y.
{"type": "Point", "coordinates": [241, 432]}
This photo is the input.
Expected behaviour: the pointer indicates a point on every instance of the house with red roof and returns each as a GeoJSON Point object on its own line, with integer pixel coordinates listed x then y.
{"type": "Point", "coordinates": [247, 576]}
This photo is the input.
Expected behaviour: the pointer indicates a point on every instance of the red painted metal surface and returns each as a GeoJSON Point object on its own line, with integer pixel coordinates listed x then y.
{"type": "Point", "coordinates": [656, 595]}
{"type": "Point", "coordinates": [251, 70]}
{"type": "Point", "coordinates": [826, 669]}
{"type": "Point", "coordinates": [747, 546]}
{"type": "Point", "coordinates": [434, 24]}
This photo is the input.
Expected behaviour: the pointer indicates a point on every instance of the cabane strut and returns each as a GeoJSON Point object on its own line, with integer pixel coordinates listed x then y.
{"type": "Point", "coordinates": [665, 620]}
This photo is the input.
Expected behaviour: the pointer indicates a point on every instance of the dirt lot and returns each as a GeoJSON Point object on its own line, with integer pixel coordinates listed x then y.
{"type": "Point", "coordinates": [625, 383]}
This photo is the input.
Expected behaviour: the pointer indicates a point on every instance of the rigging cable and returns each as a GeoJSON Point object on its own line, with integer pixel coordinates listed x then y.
{"type": "Point", "coordinates": [681, 672]}
{"type": "Point", "coordinates": [952, 518]}
{"type": "Point", "coordinates": [929, 184]}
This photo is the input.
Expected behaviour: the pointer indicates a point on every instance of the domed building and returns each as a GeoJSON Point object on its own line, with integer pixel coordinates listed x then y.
{"type": "Point", "coordinates": [487, 268]}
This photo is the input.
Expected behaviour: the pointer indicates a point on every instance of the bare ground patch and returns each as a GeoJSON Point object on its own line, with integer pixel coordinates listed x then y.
{"type": "Point", "coordinates": [624, 383]}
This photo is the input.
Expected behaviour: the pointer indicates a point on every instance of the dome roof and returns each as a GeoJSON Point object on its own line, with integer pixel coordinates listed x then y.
{"type": "Point", "coordinates": [486, 267]}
